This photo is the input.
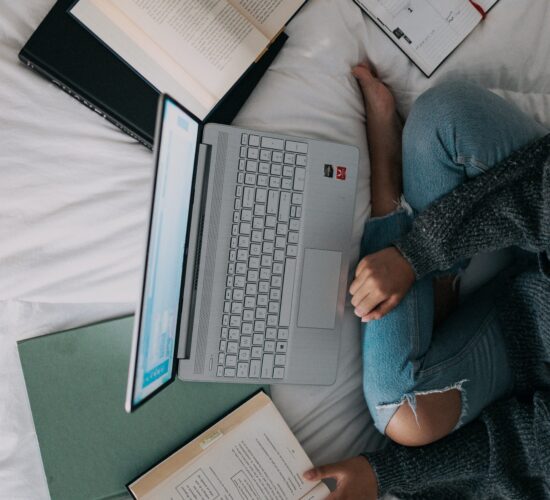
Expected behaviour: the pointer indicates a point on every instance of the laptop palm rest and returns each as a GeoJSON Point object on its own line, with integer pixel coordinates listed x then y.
{"type": "Point", "coordinates": [319, 291]}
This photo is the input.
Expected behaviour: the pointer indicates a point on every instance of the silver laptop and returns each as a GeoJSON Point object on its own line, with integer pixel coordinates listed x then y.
{"type": "Point", "coordinates": [246, 268]}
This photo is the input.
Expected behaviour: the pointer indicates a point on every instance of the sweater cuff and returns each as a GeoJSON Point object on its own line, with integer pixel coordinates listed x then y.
{"type": "Point", "coordinates": [418, 252]}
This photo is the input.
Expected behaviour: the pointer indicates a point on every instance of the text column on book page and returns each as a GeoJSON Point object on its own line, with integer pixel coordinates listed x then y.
{"type": "Point", "coordinates": [269, 16]}
{"type": "Point", "coordinates": [208, 38]}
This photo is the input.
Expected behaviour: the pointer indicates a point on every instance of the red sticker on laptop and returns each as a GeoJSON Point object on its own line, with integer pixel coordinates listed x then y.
{"type": "Point", "coordinates": [341, 173]}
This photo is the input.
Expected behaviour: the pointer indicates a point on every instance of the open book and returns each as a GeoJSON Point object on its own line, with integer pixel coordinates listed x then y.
{"type": "Point", "coordinates": [427, 30]}
{"type": "Point", "coordinates": [249, 454]}
{"type": "Point", "coordinates": [194, 50]}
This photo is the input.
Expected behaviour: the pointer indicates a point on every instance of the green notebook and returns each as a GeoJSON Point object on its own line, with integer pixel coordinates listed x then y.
{"type": "Point", "coordinates": [91, 448]}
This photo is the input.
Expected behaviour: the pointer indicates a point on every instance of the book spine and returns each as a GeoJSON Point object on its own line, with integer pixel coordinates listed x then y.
{"type": "Point", "coordinates": [41, 71]}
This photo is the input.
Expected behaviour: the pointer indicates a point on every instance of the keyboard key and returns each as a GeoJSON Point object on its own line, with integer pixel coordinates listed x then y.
{"type": "Point", "coordinates": [219, 372]}
{"type": "Point", "coordinates": [245, 228]}
{"type": "Point", "coordinates": [253, 275]}
{"type": "Point", "coordinates": [263, 168]}
{"type": "Point", "coordinates": [244, 150]}
{"type": "Point", "coordinates": [251, 166]}
{"type": "Point", "coordinates": [299, 178]}
{"type": "Point", "coordinates": [267, 247]}
{"type": "Point", "coordinates": [281, 346]}
{"type": "Point", "coordinates": [271, 143]}
{"type": "Point", "coordinates": [231, 360]}
{"type": "Point", "coordinates": [248, 315]}
{"type": "Point", "coordinates": [265, 273]}
{"type": "Point", "coordinates": [232, 256]}
{"type": "Point", "coordinates": [233, 243]}
{"type": "Point", "coordinates": [229, 372]}
{"type": "Point", "coordinates": [279, 255]}
{"type": "Point", "coordinates": [301, 160]}
{"type": "Point", "coordinates": [280, 359]}
{"type": "Point", "coordinates": [246, 329]}
{"type": "Point", "coordinates": [292, 251]}
{"type": "Point", "coordinates": [254, 263]}
{"type": "Point", "coordinates": [227, 307]}
{"type": "Point", "coordinates": [238, 191]}
{"type": "Point", "coordinates": [256, 236]}
{"type": "Point", "coordinates": [273, 308]}
{"type": "Point", "coordinates": [240, 268]}
{"type": "Point", "coordinates": [255, 367]}
{"type": "Point", "coordinates": [272, 202]}
{"type": "Point", "coordinates": [275, 182]}
{"type": "Point", "coordinates": [240, 177]}
{"type": "Point", "coordinates": [288, 171]}
{"type": "Point", "coordinates": [256, 352]}
{"type": "Point", "coordinates": [281, 229]}
{"type": "Point", "coordinates": [272, 320]}
{"type": "Point", "coordinates": [239, 282]}
{"type": "Point", "coordinates": [262, 300]}
{"type": "Point", "coordinates": [294, 225]}
{"type": "Point", "coordinates": [253, 153]}
{"type": "Point", "coordinates": [288, 287]}
{"type": "Point", "coordinates": [282, 334]}
{"type": "Point", "coordinates": [293, 237]}
{"type": "Point", "coordinates": [246, 341]}
{"type": "Point", "coordinates": [261, 313]}
{"type": "Point", "coordinates": [284, 207]}
{"type": "Point", "coordinates": [242, 254]}
{"type": "Point", "coordinates": [244, 139]}
{"type": "Point", "coordinates": [277, 157]}
{"type": "Point", "coordinates": [278, 372]}
{"type": "Point", "coordinates": [267, 260]}
{"type": "Point", "coordinates": [259, 210]}
{"type": "Point", "coordinates": [228, 294]}
{"type": "Point", "coordinates": [223, 345]}
{"type": "Point", "coordinates": [262, 180]}
{"type": "Point", "coordinates": [236, 308]}
{"type": "Point", "coordinates": [250, 179]}
{"type": "Point", "coordinates": [225, 332]}
{"type": "Point", "coordinates": [259, 326]}
{"type": "Point", "coordinates": [258, 223]}
{"type": "Point", "coordinates": [225, 320]}
{"type": "Point", "coordinates": [232, 348]}
{"type": "Point", "coordinates": [278, 268]}
{"type": "Point", "coordinates": [276, 281]}
{"type": "Point", "coordinates": [267, 365]}
{"type": "Point", "coordinates": [263, 287]}
{"type": "Point", "coordinates": [276, 169]}
{"type": "Point", "coordinates": [242, 163]}
{"type": "Point", "coordinates": [289, 146]}
{"type": "Point", "coordinates": [286, 184]}
{"type": "Point", "coordinates": [229, 281]}
{"type": "Point", "coordinates": [244, 355]}
{"type": "Point", "coordinates": [234, 229]}
{"type": "Point", "coordinates": [280, 242]}
{"type": "Point", "coordinates": [248, 197]}
{"type": "Point", "coordinates": [302, 147]}
{"type": "Point", "coordinates": [244, 241]}
{"type": "Point", "coordinates": [297, 198]}
{"type": "Point", "coordinates": [242, 370]}
{"type": "Point", "coordinates": [234, 334]}
{"type": "Point", "coordinates": [250, 302]}
{"type": "Point", "coordinates": [271, 333]}
{"type": "Point", "coordinates": [255, 249]}
{"type": "Point", "coordinates": [251, 289]}
{"type": "Point", "coordinates": [290, 158]}
{"type": "Point", "coordinates": [235, 321]}
{"type": "Point", "coordinates": [265, 155]}
{"type": "Point", "coordinates": [275, 294]}
{"type": "Point", "coordinates": [269, 346]}
{"type": "Point", "coordinates": [293, 211]}
{"type": "Point", "coordinates": [254, 140]}
{"type": "Point", "coordinates": [261, 195]}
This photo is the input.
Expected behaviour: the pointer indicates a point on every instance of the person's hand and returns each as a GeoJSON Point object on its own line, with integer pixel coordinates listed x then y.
{"type": "Point", "coordinates": [381, 281]}
{"type": "Point", "coordinates": [355, 479]}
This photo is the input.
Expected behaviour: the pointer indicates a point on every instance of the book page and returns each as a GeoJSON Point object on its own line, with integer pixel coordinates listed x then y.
{"type": "Point", "coordinates": [257, 457]}
{"type": "Point", "coordinates": [143, 55]}
{"type": "Point", "coordinates": [268, 16]}
{"type": "Point", "coordinates": [209, 39]}
{"type": "Point", "coordinates": [426, 30]}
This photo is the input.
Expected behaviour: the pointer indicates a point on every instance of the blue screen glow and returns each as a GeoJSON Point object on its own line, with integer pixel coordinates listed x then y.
{"type": "Point", "coordinates": [167, 241]}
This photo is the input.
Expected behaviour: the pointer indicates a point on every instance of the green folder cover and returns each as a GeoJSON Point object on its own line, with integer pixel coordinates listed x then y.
{"type": "Point", "coordinates": [91, 448]}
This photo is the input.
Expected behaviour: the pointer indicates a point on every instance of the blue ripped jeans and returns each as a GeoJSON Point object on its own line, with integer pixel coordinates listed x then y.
{"type": "Point", "coordinates": [454, 132]}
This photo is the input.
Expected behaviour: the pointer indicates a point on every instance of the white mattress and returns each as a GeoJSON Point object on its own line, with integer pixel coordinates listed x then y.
{"type": "Point", "coordinates": [73, 191]}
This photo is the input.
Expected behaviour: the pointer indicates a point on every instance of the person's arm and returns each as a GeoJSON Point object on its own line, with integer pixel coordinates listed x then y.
{"type": "Point", "coordinates": [503, 450]}
{"type": "Point", "coordinates": [509, 205]}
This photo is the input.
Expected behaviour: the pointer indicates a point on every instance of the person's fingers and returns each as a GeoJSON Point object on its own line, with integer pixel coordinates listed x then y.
{"type": "Point", "coordinates": [362, 292]}
{"type": "Point", "coordinates": [363, 263]}
{"type": "Point", "coordinates": [358, 282]}
{"type": "Point", "coordinates": [323, 472]}
{"type": "Point", "coordinates": [381, 310]}
{"type": "Point", "coordinates": [369, 303]}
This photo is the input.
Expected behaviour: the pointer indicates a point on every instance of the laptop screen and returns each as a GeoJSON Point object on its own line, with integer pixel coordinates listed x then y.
{"type": "Point", "coordinates": [166, 250]}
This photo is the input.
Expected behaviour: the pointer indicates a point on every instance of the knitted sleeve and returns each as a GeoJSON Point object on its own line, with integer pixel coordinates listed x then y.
{"type": "Point", "coordinates": [503, 454]}
{"type": "Point", "coordinates": [508, 205]}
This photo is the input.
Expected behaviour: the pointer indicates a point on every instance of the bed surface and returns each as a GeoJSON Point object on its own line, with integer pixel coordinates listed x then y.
{"type": "Point", "coordinates": [73, 193]}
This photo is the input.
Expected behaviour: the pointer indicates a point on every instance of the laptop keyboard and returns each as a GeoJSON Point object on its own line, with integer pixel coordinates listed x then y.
{"type": "Point", "coordinates": [262, 258]}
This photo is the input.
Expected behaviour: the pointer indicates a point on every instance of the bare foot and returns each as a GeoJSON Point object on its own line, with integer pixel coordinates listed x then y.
{"type": "Point", "coordinates": [384, 129]}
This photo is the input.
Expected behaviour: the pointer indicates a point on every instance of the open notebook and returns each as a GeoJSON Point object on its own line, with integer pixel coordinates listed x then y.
{"type": "Point", "coordinates": [194, 50]}
{"type": "Point", "coordinates": [427, 30]}
{"type": "Point", "coordinates": [249, 454]}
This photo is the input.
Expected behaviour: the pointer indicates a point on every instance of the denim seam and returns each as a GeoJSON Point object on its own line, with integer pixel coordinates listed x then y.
{"type": "Point", "coordinates": [470, 161]}
{"type": "Point", "coordinates": [462, 353]}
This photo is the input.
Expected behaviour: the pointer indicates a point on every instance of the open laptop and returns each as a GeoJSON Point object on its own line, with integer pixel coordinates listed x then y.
{"type": "Point", "coordinates": [247, 259]}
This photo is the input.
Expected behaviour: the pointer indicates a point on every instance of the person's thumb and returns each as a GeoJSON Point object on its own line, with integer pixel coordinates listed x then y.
{"type": "Point", "coordinates": [323, 472]}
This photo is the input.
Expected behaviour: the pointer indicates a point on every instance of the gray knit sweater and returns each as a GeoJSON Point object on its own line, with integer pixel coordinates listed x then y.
{"type": "Point", "coordinates": [505, 453]}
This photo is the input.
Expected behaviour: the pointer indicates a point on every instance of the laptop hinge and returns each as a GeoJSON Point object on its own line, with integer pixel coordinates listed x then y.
{"type": "Point", "coordinates": [189, 289]}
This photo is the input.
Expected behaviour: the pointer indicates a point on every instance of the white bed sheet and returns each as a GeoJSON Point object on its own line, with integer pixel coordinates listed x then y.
{"type": "Point", "coordinates": [73, 191]}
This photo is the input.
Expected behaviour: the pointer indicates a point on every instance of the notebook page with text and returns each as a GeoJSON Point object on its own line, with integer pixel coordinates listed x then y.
{"type": "Point", "coordinates": [251, 453]}
{"type": "Point", "coordinates": [268, 16]}
{"type": "Point", "coordinates": [210, 39]}
{"type": "Point", "coordinates": [426, 30]}
{"type": "Point", "coordinates": [148, 59]}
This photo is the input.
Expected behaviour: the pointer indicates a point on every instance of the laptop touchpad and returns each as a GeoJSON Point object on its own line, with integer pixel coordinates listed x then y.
{"type": "Point", "coordinates": [319, 292]}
